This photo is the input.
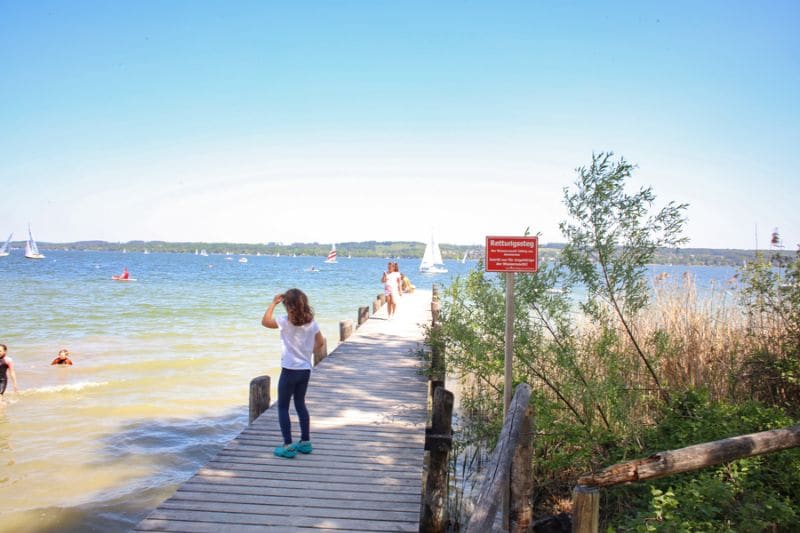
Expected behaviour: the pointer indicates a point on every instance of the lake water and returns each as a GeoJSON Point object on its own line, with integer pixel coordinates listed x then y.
{"type": "Point", "coordinates": [162, 370]}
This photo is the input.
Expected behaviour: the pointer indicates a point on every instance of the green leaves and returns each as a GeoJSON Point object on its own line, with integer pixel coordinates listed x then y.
{"type": "Point", "coordinates": [611, 238]}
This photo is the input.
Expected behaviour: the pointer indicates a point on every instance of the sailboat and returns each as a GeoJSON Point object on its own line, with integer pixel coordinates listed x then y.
{"type": "Point", "coordinates": [5, 247]}
{"type": "Point", "coordinates": [31, 250]}
{"type": "Point", "coordinates": [432, 259]}
{"type": "Point", "coordinates": [331, 255]}
{"type": "Point", "coordinates": [464, 259]}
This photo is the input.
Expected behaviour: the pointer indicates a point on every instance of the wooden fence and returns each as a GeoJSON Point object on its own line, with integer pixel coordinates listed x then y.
{"type": "Point", "coordinates": [586, 497]}
{"type": "Point", "coordinates": [508, 474]}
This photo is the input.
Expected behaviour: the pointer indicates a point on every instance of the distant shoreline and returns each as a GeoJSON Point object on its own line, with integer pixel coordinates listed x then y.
{"type": "Point", "coordinates": [383, 249]}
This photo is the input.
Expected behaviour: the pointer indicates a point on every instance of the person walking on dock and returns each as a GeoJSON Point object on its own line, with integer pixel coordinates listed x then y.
{"type": "Point", "coordinates": [391, 288]}
{"type": "Point", "coordinates": [300, 338]}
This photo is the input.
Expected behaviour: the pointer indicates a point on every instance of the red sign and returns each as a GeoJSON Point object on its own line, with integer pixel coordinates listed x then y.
{"type": "Point", "coordinates": [512, 254]}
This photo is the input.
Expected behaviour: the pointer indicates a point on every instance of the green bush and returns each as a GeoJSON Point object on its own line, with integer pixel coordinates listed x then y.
{"type": "Point", "coordinates": [750, 494]}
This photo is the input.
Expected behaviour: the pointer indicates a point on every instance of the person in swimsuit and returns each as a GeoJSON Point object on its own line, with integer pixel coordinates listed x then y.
{"type": "Point", "coordinates": [63, 358]}
{"type": "Point", "coordinates": [6, 370]}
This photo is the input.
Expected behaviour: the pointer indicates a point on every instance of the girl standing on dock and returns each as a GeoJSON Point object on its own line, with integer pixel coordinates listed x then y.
{"type": "Point", "coordinates": [300, 338]}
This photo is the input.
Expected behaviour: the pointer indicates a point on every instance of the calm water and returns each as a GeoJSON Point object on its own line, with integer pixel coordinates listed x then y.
{"type": "Point", "coordinates": [161, 374]}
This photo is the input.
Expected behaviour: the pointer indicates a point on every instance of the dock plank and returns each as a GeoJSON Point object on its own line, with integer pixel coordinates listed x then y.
{"type": "Point", "coordinates": [368, 405]}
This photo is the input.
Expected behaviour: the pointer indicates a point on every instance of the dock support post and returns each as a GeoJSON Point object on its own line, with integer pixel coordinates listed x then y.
{"type": "Point", "coordinates": [322, 353]}
{"type": "Point", "coordinates": [259, 396]}
{"type": "Point", "coordinates": [435, 305]}
{"type": "Point", "coordinates": [438, 441]}
{"type": "Point", "coordinates": [438, 370]}
{"type": "Point", "coordinates": [585, 509]}
{"type": "Point", "coordinates": [345, 329]}
{"type": "Point", "coordinates": [363, 315]}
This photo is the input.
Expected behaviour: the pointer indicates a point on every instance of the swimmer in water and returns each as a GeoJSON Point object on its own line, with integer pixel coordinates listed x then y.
{"type": "Point", "coordinates": [63, 358]}
{"type": "Point", "coordinates": [6, 370]}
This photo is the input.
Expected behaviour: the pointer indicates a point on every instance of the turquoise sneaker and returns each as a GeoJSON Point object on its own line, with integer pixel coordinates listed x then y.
{"type": "Point", "coordinates": [286, 451]}
{"type": "Point", "coordinates": [303, 446]}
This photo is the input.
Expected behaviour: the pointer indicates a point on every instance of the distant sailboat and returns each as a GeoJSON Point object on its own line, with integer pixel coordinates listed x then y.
{"type": "Point", "coordinates": [331, 255]}
{"type": "Point", "coordinates": [31, 250]}
{"type": "Point", "coordinates": [6, 245]}
{"type": "Point", "coordinates": [464, 259]}
{"type": "Point", "coordinates": [432, 259]}
{"type": "Point", "coordinates": [203, 252]}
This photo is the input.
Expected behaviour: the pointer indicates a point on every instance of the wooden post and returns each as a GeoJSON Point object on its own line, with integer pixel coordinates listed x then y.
{"type": "Point", "coordinates": [345, 329]}
{"type": "Point", "coordinates": [495, 482]}
{"type": "Point", "coordinates": [435, 305]}
{"type": "Point", "coordinates": [376, 305]}
{"type": "Point", "coordinates": [259, 396]}
{"type": "Point", "coordinates": [521, 511]}
{"type": "Point", "coordinates": [585, 509]}
{"type": "Point", "coordinates": [438, 369]}
{"type": "Point", "coordinates": [508, 372]}
{"type": "Point", "coordinates": [363, 314]}
{"type": "Point", "coordinates": [382, 298]}
{"type": "Point", "coordinates": [322, 353]}
{"type": "Point", "coordinates": [439, 442]}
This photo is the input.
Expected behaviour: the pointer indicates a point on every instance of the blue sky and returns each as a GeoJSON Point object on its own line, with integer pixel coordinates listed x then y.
{"type": "Point", "coordinates": [348, 121]}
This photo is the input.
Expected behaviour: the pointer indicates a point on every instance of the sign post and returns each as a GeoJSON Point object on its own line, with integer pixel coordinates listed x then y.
{"type": "Point", "coordinates": [510, 255]}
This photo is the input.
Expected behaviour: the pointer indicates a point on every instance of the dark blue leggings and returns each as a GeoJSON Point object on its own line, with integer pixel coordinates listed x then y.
{"type": "Point", "coordinates": [293, 383]}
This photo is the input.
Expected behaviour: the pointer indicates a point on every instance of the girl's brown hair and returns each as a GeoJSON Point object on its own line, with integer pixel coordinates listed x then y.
{"type": "Point", "coordinates": [296, 302]}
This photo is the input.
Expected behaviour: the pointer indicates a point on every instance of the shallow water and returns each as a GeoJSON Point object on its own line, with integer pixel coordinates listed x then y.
{"type": "Point", "coordinates": [161, 375]}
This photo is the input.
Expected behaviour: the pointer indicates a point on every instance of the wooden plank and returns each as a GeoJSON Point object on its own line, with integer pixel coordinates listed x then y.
{"type": "Point", "coordinates": [289, 508]}
{"type": "Point", "coordinates": [367, 402]}
{"type": "Point", "coordinates": [288, 500]}
{"type": "Point", "coordinates": [220, 518]}
{"type": "Point", "coordinates": [265, 486]}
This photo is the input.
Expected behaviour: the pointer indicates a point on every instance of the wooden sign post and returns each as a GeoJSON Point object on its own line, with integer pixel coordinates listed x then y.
{"type": "Point", "coordinates": [510, 255]}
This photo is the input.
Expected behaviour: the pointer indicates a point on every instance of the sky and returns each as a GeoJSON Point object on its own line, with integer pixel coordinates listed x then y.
{"type": "Point", "coordinates": [336, 121]}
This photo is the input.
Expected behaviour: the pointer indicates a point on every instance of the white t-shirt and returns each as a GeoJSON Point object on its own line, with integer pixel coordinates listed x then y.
{"type": "Point", "coordinates": [297, 343]}
{"type": "Point", "coordinates": [390, 285]}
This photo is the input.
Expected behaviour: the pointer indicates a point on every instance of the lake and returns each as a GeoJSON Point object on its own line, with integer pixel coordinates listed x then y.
{"type": "Point", "coordinates": [161, 374]}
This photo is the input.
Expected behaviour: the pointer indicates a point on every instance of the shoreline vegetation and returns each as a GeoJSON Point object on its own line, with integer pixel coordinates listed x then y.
{"type": "Point", "coordinates": [626, 372]}
{"type": "Point", "coordinates": [394, 249]}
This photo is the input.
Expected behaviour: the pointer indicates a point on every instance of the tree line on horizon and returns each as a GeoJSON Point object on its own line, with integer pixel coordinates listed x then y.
{"type": "Point", "coordinates": [387, 249]}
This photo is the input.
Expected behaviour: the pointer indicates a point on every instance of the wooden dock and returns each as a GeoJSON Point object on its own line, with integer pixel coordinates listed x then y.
{"type": "Point", "coordinates": [368, 405]}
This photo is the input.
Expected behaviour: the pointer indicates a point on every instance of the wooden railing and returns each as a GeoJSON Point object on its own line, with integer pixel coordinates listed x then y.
{"type": "Point", "coordinates": [586, 497]}
{"type": "Point", "coordinates": [508, 475]}
{"type": "Point", "coordinates": [508, 478]}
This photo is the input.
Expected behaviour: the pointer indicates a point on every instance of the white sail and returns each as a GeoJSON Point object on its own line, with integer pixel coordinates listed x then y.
{"type": "Point", "coordinates": [331, 255]}
{"type": "Point", "coordinates": [31, 250]}
{"type": "Point", "coordinates": [432, 259]}
{"type": "Point", "coordinates": [464, 259]}
{"type": "Point", "coordinates": [4, 249]}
